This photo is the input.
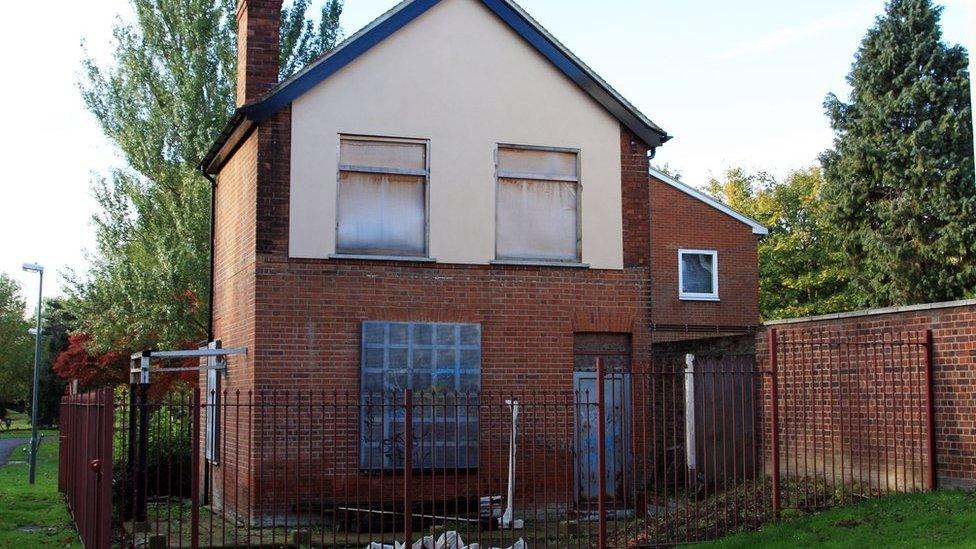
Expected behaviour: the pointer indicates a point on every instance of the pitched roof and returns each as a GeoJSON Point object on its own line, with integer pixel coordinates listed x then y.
{"type": "Point", "coordinates": [757, 227]}
{"type": "Point", "coordinates": [325, 66]}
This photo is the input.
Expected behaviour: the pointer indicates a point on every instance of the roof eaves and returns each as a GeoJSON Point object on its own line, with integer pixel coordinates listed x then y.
{"type": "Point", "coordinates": [757, 227]}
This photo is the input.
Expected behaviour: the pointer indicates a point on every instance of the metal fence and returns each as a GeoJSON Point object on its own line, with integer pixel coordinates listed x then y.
{"type": "Point", "coordinates": [694, 448]}
{"type": "Point", "coordinates": [85, 464]}
{"type": "Point", "coordinates": [680, 461]}
{"type": "Point", "coordinates": [854, 414]}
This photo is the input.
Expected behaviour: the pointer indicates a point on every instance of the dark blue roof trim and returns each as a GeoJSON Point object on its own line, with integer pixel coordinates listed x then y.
{"type": "Point", "coordinates": [305, 80]}
{"type": "Point", "coordinates": [530, 31]}
{"type": "Point", "coordinates": [327, 65]}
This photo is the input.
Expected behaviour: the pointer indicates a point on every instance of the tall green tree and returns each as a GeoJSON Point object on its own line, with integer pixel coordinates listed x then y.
{"type": "Point", "coordinates": [899, 179]}
{"type": "Point", "coordinates": [162, 100]}
{"type": "Point", "coordinates": [16, 344]}
{"type": "Point", "coordinates": [800, 270]}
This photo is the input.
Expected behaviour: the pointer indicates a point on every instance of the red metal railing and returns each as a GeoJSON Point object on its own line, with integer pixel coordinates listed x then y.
{"type": "Point", "coordinates": [609, 465]}
{"type": "Point", "coordinates": [854, 415]}
{"type": "Point", "coordinates": [691, 449]}
{"type": "Point", "coordinates": [85, 464]}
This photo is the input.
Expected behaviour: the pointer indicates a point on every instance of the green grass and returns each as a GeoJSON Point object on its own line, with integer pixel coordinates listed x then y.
{"type": "Point", "coordinates": [19, 421]}
{"type": "Point", "coordinates": [20, 426]}
{"type": "Point", "coordinates": [939, 519]}
{"type": "Point", "coordinates": [39, 507]}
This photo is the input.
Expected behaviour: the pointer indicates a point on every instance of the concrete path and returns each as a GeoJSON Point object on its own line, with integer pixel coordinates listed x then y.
{"type": "Point", "coordinates": [8, 445]}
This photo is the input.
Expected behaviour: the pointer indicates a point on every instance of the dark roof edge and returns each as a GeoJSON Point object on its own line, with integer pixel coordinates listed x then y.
{"type": "Point", "coordinates": [398, 17]}
{"type": "Point", "coordinates": [578, 71]}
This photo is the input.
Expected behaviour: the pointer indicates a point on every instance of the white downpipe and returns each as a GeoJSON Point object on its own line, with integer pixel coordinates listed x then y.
{"type": "Point", "coordinates": [507, 519]}
{"type": "Point", "coordinates": [690, 411]}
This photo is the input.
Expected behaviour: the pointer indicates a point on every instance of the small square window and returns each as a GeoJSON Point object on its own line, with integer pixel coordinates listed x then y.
{"type": "Point", "coordinates": [698, 275]}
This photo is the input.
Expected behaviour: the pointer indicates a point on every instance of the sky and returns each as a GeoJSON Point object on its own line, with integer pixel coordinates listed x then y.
{"type": "Point", "coordinates": [736, 83]}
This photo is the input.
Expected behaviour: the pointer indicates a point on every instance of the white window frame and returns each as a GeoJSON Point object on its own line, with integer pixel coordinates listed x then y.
{"type": "Point", "coordinates": [503, 174]}
{"type": "Point", "coordinates": [425, 173]}
{"type": "Point", "coordinates": [697, 296]}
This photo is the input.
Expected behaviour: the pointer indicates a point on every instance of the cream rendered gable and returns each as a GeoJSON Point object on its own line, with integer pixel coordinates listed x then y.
{"type": "Point", "coordinates": [461, 78]}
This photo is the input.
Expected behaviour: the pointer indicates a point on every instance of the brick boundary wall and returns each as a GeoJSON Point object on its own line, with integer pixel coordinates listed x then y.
{"type": "Point", "coordinates": [953, 327]}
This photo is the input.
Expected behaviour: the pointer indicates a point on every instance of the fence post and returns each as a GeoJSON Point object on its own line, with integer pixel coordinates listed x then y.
{"type": "Point", "coordinates": [930, 408]}
{"type": "Point", "coordinates": [195, 469]}
{"type": "Point", "coordinates": [106, 474]}
{"type": "Point", "coordinates": [601, 453]}
{"type": "Point", "coordinates": [691, 452]}
{"type": "Point", "coordinates": [407, 467]}
{"type": "Point", "coordinates": [774, 418]}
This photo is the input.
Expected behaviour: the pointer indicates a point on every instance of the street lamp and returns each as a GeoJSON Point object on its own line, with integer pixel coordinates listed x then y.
{"type": "Point", "coordinates": [35, 268]}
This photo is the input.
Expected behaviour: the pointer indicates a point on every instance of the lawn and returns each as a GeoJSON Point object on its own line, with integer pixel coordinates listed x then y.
{"type": "Point", "coordinates": [34, 516]}
{"type": "Point", "coordinates": [939, 519]}
{"type": "Point", "coordinates": [19, 421]}
{"type": "Point", "coordinates": [20, 427]}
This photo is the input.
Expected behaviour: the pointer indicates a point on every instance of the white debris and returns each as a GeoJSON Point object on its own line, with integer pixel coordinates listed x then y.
{"type": "Point", "coordinates": [447, 540]}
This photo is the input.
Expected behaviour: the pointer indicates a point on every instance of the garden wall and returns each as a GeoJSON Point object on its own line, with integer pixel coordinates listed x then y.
{"type": "Point", "coordinates": [953, 356]}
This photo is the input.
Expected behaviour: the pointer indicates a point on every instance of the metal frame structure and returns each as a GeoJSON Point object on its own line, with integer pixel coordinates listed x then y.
{"type": "Point", "coordinates": [140, 374]}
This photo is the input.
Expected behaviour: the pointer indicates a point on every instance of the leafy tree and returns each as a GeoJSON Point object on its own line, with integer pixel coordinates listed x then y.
{"type": "Point", "coordinates": [800, 271]}
{"type": "Point", "coordinates": [668, 170]}
{"type": "Point", "coordinates": [16, 344]}
{"type": "Point", "coordinates": [163, 99]}
{"type": "Point", "coordinates": [899, 179]}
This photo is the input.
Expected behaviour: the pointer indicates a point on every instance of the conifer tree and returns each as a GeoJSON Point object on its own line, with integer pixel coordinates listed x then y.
{"type": "Point", "coordinates": [899, 179]}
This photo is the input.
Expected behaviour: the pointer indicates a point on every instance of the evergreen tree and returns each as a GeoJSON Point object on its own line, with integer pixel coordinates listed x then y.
{"type": "Point", "coordinates": [163, 99]}
{"type": "Point", "coordinates": [899, 179]}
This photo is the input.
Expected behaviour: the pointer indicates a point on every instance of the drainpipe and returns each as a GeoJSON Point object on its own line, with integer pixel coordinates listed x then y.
{"type": "Point", "coordinates": [213, 221]}
{"type": "Point", "coordinates": [210, 299]}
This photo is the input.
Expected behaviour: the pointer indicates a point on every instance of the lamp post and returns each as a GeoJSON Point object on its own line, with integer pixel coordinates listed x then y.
{"type": "Point", "coordinates": [35, 268]}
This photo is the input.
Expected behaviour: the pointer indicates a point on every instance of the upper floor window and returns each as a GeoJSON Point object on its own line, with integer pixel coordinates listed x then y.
{"type": "Point", "coordinates": [537, 204]}
{"type": "Point", "coordinates": [382, 202]}
{"type": "Point", "coordinates": [698, 275]}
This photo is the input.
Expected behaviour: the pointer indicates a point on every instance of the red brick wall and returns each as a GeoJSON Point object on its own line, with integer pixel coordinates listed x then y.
{"type": "Point", "coordinates": [635, 200]}
{"type": "Point", "coordinates": [680, 221]}
{"type": "Point", "coordinates": [301, 319]}
{"type": "Point", "coordinates": [257, 48]}
{"type": "Point", "coordinates": [954, 382]}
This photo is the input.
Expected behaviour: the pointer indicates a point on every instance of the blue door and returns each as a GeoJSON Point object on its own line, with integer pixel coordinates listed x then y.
{"type": "Point", "coordinates": [616, 389]}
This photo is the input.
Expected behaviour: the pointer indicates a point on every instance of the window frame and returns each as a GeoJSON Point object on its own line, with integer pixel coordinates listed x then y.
{"type": "Point", "coordinates": [354, 168]}
{"type": "Point", "coordinates": [698, 296]}
{"type": "Point", "coordinates": [501, 174]}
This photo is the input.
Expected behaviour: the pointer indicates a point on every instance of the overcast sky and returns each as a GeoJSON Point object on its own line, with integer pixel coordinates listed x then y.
{"type": "Point", "coordinates": [736, 83]}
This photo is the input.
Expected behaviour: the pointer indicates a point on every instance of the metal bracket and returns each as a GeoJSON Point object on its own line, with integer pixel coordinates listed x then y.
{"type": "Point", "coordinates": [145, 357]}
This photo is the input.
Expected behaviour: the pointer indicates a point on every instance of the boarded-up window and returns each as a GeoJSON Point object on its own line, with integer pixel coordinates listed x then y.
{"type": "Point", "coordinates": [382, 204]}
{"type": "Point", "coordinates": [698, 274]}
{"type": "Point", "coordinates": [442, 364]}
{"type": "Point", "coordinates": [538, 205]}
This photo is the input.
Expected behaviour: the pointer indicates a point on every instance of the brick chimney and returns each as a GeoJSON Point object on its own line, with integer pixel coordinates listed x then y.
{"type": "Point", "coordinates": [258, 27]}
